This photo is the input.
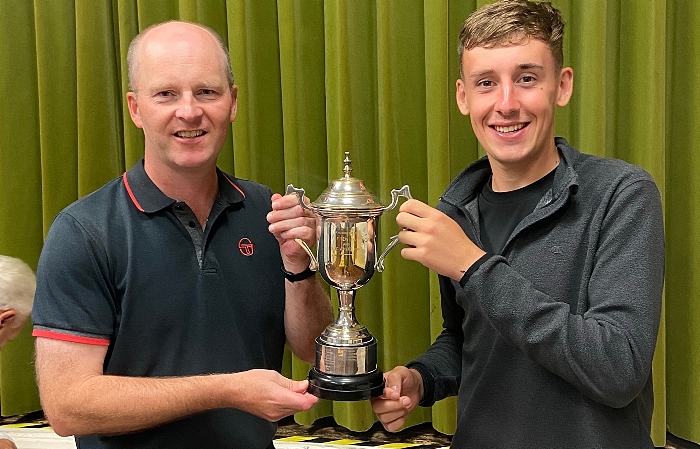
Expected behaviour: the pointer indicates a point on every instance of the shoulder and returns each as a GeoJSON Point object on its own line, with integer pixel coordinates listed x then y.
{"type": "Point", "coordinates": [98, 200]}
{"type": "Point", "coordinates": [253, 188]}
{"type": "Point", "coordinates": [250, 192]}
{"type": "Point", "coordinates": [91, 216]}
{"type": "Point", "coordinates": [596, 172]}
{"type": "Point", "coordinates": [608, 174]}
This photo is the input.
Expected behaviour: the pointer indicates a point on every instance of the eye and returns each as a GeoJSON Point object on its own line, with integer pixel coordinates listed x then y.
{"type": "Point", "coordinates": [528, 79]}
{"type": "Point", "coordinates": [485, 83]}
{"type": "Point", "coordinates": [207, 92]}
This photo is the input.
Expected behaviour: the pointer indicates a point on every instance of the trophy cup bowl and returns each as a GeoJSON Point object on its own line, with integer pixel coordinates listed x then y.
{"type": "Point", "coordinates": [346, 352]}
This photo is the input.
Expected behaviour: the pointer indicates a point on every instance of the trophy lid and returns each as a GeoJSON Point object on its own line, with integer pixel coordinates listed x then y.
{"type": "Point", "coordinates": [347, 195]}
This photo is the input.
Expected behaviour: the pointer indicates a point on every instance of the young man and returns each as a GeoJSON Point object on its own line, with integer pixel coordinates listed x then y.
{"type": "Point", "coordinates": [551, 262]}
{"type": "Point", "coordinates": [162, 307]}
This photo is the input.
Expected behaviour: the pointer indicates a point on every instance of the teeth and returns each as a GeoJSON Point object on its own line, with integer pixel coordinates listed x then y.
{"type": "Point", "coordinates": [189, 134]}
{"type": "Point", "coordinates": [509, 129]}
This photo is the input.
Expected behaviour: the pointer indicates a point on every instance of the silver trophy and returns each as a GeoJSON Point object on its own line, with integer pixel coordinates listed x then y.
{"type": "Point", "coordinates": [346, 353]}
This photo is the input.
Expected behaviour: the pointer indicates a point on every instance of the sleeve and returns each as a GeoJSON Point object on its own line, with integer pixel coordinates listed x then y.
{"type": "Point", "coordinates": [73, 300]}
{"type": "Point", "coordinates": [441, 365]}
{"type": "Point", "coordinates": [606, 349]}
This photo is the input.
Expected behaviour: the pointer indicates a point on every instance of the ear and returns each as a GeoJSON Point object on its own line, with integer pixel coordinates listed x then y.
{"type": "Point", "coordinates": [7, 332]}
{"type": "Point", "coordinates": [461, 95]}
{"type": "Point", "coordinates": [234, 102]}
{"type": "Point", "coordinates": [133, 105]}
{"type": "Point", "coordinates": [7, 316]}
{"type": "Point", "coordinates": [566, 86]}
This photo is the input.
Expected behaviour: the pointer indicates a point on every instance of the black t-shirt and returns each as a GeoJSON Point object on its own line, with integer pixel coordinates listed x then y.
{"type": "Point", "coordinates": [500, 212]}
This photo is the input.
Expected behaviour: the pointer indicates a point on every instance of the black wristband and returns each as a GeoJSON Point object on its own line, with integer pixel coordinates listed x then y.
{"type": "Point", "coordinates": [291, 277]}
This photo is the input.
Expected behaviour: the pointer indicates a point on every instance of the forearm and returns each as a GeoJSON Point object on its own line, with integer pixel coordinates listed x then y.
{"type": "Point", "coordinates": [605, 352]}
{"type": "Point", "coordinates": [103, 404]}
{"type": "Point", "coordinates": [439, 368]}
{"type": "Point", "coordinates": [307, 313]}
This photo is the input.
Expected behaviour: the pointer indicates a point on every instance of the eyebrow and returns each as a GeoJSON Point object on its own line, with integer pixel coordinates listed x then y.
{"type": "Point", "coordinates": [206, 84]}
{"type": "Point", "coordinates": [525, 66]}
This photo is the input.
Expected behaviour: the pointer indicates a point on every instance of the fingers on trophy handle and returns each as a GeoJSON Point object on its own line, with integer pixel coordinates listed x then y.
{"type": "Point", "coordinates": [300, 193]}
{"type": "Point", "coordinates": [395, 194]}
{"type": "Point", "coordinates": [379, 266]}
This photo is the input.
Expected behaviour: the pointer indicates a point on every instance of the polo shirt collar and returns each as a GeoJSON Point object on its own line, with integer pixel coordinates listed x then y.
{"type": "Point", "coordinates": [147, 197]}
{"type": "Point", "coordinates": [228, 189]}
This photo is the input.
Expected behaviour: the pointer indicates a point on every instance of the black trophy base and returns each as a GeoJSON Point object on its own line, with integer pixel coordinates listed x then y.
{"type": "Point", "coordinates": [346, 388]}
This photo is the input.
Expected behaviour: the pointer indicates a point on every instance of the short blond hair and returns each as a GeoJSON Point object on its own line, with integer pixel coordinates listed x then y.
{"type": "Point", "coordinates": [508, 22]}
{"type": "Point", "coordinates": [132, 53]}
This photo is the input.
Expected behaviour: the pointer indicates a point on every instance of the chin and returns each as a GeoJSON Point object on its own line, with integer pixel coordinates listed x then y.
{"type": "Point", "coordinates": [192, 161]}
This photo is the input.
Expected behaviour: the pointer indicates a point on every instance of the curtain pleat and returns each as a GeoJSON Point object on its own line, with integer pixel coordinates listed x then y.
{"type": "Point", "coordinates": [682, 166]}
{"type": "Point", "coordinates": [318, 78]}
{"type": "Point", "coordinates": [20, 195]}
{"type": "Point", "coordinates": [351, 111]}
{"type": "Point", "coordinates": [302, 59]}
{"type": "Point", "coordinates": [127, 23]}
{"type": "Point", "coordinates": [100, 145]}
{"type": "Point", "coordinates": [58, 114]}
{"type": "Point", "coordinates": [254, 45]}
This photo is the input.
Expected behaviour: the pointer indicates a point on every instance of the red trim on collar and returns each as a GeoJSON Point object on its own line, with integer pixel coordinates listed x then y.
{"type": "Point", "coordinates": [234, 185]}
{"type": "Point", "coordinates": [68, 337]}
{"type": "Point", "coordinates": [131, 194]}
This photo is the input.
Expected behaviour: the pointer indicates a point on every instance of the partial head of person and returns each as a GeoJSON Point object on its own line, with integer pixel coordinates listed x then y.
{"type": "Point", "coordinates": [512, 78]}
{"type": "Point", "coordinates": [17, 286]}
{"type": "Point", "coordinates": [181, 94]}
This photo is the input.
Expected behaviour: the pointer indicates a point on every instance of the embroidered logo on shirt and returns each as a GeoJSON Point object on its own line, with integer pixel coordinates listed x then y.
{"type": "Point", "coordinates": [246, 247]}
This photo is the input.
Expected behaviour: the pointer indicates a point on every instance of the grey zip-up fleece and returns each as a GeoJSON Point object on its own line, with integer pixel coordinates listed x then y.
{"type": "Point", "coordinates": [550, 344]}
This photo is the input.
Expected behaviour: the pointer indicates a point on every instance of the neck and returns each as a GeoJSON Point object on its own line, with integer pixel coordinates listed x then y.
{"type": "Point", "coordinates": [198, 188]}
{"type": "Point", "coordinates": [509, 177]}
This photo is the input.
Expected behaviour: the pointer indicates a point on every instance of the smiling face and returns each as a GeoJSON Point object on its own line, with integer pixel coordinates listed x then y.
{"type": "Point", "coordinates": [510, 93]}
{"type": "Point", "coordinates": [182, 98]}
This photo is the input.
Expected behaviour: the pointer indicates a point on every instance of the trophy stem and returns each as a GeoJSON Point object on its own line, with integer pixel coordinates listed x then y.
{"type": "Point", "coordinates": [346, 358]}
{"type": "Point", "coordinates": [346, 309]}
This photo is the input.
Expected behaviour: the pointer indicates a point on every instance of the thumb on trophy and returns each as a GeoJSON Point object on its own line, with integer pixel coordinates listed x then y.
{"type": "Point", "coordinates": [299, 386]}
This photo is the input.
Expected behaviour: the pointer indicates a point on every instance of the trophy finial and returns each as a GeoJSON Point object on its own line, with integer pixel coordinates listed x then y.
{"type": "Point", "coordinates": [347, 169]}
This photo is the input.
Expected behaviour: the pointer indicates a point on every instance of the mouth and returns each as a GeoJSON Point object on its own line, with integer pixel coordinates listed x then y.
{"type": "Point", "coordinates": [190, 134]}
{"type": "Point", "coordinates": [509, 129]}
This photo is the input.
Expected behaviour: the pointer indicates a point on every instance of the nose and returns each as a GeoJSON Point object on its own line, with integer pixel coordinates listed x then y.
{"type": "Point", "coordinates": [507, 102]}
{"type": "Point", "coordinates": [188, 109]}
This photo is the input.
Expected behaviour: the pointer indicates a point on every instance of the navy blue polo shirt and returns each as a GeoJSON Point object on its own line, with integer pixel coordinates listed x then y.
{"type": "Point", "coordinates": [130, 268]}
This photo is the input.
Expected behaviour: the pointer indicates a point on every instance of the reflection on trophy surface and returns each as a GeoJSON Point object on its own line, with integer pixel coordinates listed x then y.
{"type": "Point", "coordinates": [348, 260]}
{"type": "Point", "coordinates": [346, 353]}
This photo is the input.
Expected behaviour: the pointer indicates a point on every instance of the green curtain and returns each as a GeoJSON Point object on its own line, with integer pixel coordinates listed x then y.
{"type": "Point", "coordinates": [373, 77]}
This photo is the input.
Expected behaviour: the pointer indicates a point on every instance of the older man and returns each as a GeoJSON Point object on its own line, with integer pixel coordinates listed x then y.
{"type": "Point", "coordinates": [17, 284]}
{"type": "Point", "coordinates": [162, 307]}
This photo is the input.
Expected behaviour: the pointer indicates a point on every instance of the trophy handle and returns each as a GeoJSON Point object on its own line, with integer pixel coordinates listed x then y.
{"type": "Point", "coordinates": [395, 194]}
{"type": "Point", "coordinates": [313, 265]}
{"type": "Point", "coordinates": [300, 193]}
